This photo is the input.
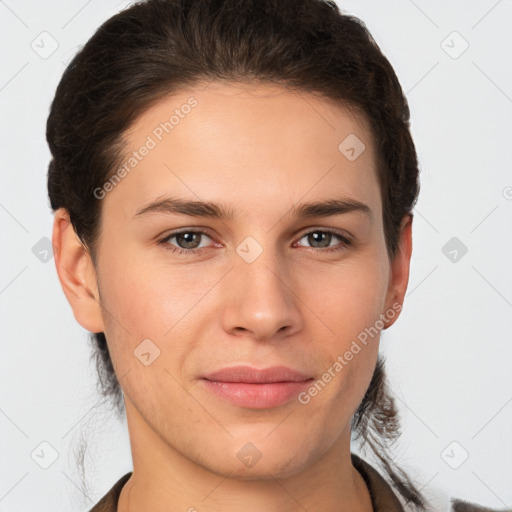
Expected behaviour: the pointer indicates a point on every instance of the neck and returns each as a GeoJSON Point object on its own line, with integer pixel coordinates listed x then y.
{"type": "Point", "coordinates": [163, 479]}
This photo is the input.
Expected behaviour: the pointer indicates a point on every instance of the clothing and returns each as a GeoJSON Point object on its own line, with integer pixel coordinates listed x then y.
{"type": "Point", "coordinates": [382, 496]}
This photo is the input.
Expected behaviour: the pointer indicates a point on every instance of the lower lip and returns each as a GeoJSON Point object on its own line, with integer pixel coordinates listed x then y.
{"type": "Point", "coordinates": [257, 396]}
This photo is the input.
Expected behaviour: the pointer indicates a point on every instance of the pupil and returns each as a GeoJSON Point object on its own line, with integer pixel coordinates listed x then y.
{"type": "Point", "coordinates": [186, 240]}
{"type": "Point", "coordinates": [316, 235]}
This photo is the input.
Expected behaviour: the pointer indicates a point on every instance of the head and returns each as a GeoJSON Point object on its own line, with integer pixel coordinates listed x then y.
{"type": "Point", "coordinates": [254, 108]}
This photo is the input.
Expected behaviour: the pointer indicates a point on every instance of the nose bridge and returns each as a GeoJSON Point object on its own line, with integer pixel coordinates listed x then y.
{"type": "Point", "coordinates": [264, 271]}
{"type": "Point", "coordinates": [260, 296]}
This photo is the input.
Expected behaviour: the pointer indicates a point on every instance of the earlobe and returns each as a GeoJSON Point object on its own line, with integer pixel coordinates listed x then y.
{"type": "Point", "coordinates": [76, 273]}
{"type": "Point", "coordinates": [399, 275]}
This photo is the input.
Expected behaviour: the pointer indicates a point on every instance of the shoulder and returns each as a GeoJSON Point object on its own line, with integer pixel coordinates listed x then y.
{"type": "Point", "coordinates": [464, 506]}
{"type": "Point", "coordinates": [109, 502]}
{"type": "Point", "coordinates": [384, 498]}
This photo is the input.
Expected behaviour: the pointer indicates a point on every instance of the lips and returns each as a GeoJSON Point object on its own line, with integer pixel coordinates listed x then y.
{"type": "Point", "coordinates": [255, 388]}
{"type": "Point", "coordinates": [257, 376]}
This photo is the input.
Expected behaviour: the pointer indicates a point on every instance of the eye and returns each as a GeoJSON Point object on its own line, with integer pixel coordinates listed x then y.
{"type": "Point", "coordinates": [322, 238]}
{"type": "Point", "coordinates": [187, 242]}
{"type": "Point", "coordinates": [192, 242]}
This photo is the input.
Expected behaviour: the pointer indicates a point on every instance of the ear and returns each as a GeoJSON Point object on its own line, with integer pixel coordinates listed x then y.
{"type": "Point", "coordinates": [76, 273]}
{"type": "Point", "coordinates": [399, 276]}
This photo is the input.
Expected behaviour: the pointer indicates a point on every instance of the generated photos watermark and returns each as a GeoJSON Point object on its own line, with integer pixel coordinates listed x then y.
{"type": "Point", "coordinates": [152, 140]}
{"type": "Point", "coordinates": [342, 360]}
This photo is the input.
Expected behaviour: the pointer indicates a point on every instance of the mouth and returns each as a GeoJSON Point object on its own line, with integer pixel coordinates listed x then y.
{"type": "Point", "coordinates": [254, 388]}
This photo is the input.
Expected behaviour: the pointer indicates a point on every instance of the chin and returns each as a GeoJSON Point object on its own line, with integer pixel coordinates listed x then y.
{"type": "Point", "coordinates": [279, 459]}
{"type": "Point", "coordinates": [263, 470]}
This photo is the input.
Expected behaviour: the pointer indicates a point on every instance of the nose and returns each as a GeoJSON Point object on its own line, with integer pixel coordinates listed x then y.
{"type": "Point", "coordinates": [261, 299]}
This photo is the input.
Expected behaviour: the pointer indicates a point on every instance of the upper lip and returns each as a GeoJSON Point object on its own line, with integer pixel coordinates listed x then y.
{"type": "Point", "coordinates": [251, 375]}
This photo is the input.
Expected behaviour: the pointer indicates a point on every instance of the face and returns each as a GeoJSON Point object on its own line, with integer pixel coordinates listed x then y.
{"type": "Point", "coordinates": [257, 277]}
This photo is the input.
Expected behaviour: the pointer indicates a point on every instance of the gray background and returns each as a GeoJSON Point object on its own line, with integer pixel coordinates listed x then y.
{"type": "Point", "coordinates": [449, 354]}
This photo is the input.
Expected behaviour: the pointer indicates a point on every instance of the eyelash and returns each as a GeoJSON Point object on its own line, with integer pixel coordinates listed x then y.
{"type": "Point", "coordinates": [345, 242]}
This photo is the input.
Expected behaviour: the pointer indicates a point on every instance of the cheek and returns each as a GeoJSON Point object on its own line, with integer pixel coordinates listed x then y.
{"type": "Point", "coordinates": [348, 297]}
{"type": "Point", "coordinates": [349, 304]}
{"type": "Point", "coordinates": [149, 298]}
{"type": "Point", "coordinates": [165, 304]}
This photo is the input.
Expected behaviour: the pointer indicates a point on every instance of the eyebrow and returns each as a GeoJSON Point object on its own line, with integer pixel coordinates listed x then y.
{"type": "Point", "coordinates": [327, 208]}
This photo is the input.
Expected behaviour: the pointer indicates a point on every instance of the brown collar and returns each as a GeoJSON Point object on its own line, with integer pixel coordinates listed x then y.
{"type": "Point", "coordinates": [383, 498]}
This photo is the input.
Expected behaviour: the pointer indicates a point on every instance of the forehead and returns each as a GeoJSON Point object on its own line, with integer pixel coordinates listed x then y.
{"type": "Point", "coordinates": [260, 141]}
{"type": "Point", "coordinates": [255, 105]}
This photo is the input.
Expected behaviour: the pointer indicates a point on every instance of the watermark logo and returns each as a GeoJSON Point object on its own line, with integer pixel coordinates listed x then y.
{"type": "Point", "coordinates": [249, 249]}
{"type": "Point", "coordinates": [454, 249]}
{"type": "Point", "coordinates": [146, 352]}
{"type": "Point", "coordinates": [43, 250]}
{"type": "Point", "coordinates": [352, 147]}
{"type": "Point", "coordinates": [45, 45]}
{"type": "Point", "coordinates": [44, 455]}
{"type": "Point", "coordinates": [455, 455]}
{"type": "Point", "coordinates": [454, 45]}
{"type": "Point", "coordinates": [249, 455]}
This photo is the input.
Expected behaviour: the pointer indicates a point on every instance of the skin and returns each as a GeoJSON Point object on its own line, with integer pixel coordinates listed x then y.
{"type": "Point", "coordinates": [261, 150]}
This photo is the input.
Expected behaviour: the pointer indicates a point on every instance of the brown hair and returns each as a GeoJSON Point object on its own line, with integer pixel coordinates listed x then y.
{"type": "Point", "coordinates": [157, 47]}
